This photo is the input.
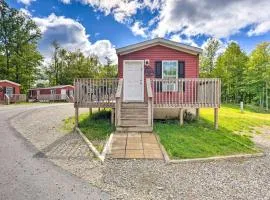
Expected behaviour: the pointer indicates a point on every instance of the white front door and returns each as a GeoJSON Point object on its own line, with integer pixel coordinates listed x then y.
{"type": "Point", "coordinates": [133, 80]}
{"type": "Point", "coordinates": [63, 94]}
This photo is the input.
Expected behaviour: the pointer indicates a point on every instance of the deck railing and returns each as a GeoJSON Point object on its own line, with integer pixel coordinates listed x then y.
{"type": "Point", "coordinates": [14, 98]}
{"type": "Point", "coordinates": [52, 97]}
{"type": "Point", "coordinates": [186, 92]}
{"type": "Point", "coordinates": [95, 92]}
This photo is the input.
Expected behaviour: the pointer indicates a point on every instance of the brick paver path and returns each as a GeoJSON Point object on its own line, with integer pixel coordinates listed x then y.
{"type": "Point", "coordinates": [135, 145]}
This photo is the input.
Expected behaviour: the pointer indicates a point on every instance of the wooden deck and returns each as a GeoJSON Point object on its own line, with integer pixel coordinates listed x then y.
{"type": "Point", "coordinates": [159, 93]}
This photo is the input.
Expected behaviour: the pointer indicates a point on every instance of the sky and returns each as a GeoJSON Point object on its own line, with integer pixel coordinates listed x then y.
{"type": "Point", "coordinates": [100, 26]}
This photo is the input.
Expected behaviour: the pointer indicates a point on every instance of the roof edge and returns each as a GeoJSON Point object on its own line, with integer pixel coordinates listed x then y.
{"type": "Point", "coordinates": [158, 41]}
{"type": "Point", "coordinates": [11, 82]}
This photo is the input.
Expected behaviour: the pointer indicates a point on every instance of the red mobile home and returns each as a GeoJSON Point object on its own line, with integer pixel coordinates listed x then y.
{"type": "Point", "coordinates": [11, 91]}
{"type": "Point", "coordinates": [157, 78]}
{"type": "Point", "coordinates": [55, 93]}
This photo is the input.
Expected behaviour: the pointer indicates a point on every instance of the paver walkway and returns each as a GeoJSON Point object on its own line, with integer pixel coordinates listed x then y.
{"type": "Point", "coordinates": [135, 145]}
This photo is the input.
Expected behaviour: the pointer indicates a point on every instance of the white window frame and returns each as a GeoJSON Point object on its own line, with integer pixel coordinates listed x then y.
{"type": "Point", "coordinates": [11, 91]}
{"type": "Point", "coordinates": [176, 61]}
{"type": "Point", "coordinates": [174, 85]}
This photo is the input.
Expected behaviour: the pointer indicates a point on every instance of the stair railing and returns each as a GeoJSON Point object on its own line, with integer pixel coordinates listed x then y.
{"type": "Point", "coordinates": [118, 101]}
{"type": "Point", "coordinates": [150, 102]}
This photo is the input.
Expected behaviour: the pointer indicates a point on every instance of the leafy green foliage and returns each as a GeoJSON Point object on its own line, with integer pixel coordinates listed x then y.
{"type": "Point", "coordinates": [200, 139]}
{"type": "Point", "coordinates": [66, 66]}
{"type": "Point", "coordinates": [19, 57]}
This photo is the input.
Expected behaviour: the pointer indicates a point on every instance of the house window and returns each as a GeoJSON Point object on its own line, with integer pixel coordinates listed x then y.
{"type": "Point", "coordinates": [9, 91]}
{"type": "Point", "coordinates": [170, 71]}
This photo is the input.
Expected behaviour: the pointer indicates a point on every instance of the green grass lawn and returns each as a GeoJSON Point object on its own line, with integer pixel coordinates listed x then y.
{"type": "Point", "coordinates": [96, 127]}
{"type": "Point", "coordinates": [200, 139]}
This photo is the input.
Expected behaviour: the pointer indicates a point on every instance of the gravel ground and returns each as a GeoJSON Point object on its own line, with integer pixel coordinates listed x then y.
{"type": "Point", "coordinates": [146, 179]}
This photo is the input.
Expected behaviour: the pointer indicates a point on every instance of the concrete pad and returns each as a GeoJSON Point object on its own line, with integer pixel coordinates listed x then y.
{"type": "Point", "coordinates": [135, 145]}
{"type": "Point", "coordinates": [151, 146]}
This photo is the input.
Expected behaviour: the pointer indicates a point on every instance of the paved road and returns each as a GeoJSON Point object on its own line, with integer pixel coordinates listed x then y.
{"type": "Point", "coordinates": [24, 176]}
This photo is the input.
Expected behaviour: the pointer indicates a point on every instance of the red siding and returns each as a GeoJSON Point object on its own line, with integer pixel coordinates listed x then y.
{"type": "Point", "coordinates": [159, 53]}
{"type": "Point", "coordinates": [7, 84]}
{"type": "Point", "coordinates": [48, 91]}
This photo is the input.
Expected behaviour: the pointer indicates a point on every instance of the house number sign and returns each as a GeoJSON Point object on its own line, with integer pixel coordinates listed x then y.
{"type": "Point", "coordinates": [148, 71]}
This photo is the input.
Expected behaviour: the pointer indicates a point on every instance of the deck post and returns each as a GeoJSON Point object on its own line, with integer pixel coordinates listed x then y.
{"type": "Point", "coordinates": [216, 118]}
{"type": "Point", "coordinates": [98, 109]}
{"type": "Point", "coordinates": [76, 116]}
{"type": "Point", "coordinates": [181, 116]}
{"type": "Point", "coordinates": [112, 116]}
{"type": "Point", "coordinates": [90, 111]}
{"type": "Point", "coordinates": [197, 113]}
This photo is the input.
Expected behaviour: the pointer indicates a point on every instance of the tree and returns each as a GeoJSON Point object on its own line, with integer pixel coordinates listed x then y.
{"type": "Point", "coordinates": [231, 67]}
{"type": "Point", "coordinates": [207, 60]}
{"type": "Point", "coordinates": [258, 71]}
{"type": "Point", "coordinates": [18, 46]}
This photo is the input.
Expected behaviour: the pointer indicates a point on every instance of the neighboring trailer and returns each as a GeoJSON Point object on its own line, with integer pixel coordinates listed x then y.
{"type": "Point", "coordinates": [55, 93]}
{"type": "Point", "coordinates": [10, 92]}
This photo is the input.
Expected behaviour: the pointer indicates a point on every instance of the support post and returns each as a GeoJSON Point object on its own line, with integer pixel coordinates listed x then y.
{"type": "Point", "coordinates": [90, 111]}
{"type": "Point", "coordinates": [181, 117]}
{"type": "Point", "coordinates": [197, 113]}
{"type": "Point", "coordinates": [112, 116]}
{"type": "Point", "coordinates": [76, 117]}
{"type": "Point", "coordinates": [98, 109]}
{"type": "Point", "coordinates": [242, 106]}
{"type": "Point", "coordinates": [216, 118]}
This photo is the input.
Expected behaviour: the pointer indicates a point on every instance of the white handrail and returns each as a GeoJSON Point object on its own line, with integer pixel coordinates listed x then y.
{"type": "Point", "coordinates": [7, 99]}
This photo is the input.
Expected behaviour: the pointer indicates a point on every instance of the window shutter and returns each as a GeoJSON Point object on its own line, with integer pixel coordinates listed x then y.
{"type": "Point", "coordinates": [158, 69]}
{"type": "Point", "coordinates": [158, 74]}
{"type": "Point", "coordinates": [5, 90]}
{"type": "Point", "coordinates": [181, 69]}
{"type": "Point", "coordinates": [181, 74]}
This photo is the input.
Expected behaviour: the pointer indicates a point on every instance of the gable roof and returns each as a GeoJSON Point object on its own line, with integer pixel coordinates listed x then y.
{"type": "Point", "coordinates": [159, 41]}
{"type": "Point", "coordinates": [11, 82]}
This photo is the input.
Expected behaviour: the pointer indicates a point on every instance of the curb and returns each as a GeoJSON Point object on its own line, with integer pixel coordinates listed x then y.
{"type": "Point", "coordinates": [163, 151]}
{"type": "Point", "coordinates": [217, 158]}
{"type": "Point", "coordinates": [101, 156]}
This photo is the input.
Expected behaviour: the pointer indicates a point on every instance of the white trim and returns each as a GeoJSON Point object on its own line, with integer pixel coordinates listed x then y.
{"type": "Point", "coordinates": [11, 82]}
{"type": "Point", "coordinates": [175, 78]}
{"type": "Point", "coordinates": [170, 61]}
{"type": "Point", "coordinates": [159, 41]}
{"type": "Point", "coordinates": [124, 63]}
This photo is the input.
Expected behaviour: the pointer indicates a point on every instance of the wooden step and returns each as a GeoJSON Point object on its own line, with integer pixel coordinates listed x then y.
{"type": "Point", "coordinates": [134, 129]}
{"type": "Point", "coordinates": [134, 116]}
{"type": "Point", "coordinates": [134, 105]}
{"type": "Point", "coordinates": [133, 122]}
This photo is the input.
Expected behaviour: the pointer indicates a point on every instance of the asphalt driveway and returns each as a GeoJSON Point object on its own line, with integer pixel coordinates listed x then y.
{"type": "Point", "coordinates": [26, 176]}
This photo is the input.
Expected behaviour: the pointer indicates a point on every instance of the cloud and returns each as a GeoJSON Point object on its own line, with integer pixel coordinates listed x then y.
{"type": "Point", "coordinates": [213, 18]}
{"type": "Point", "coordinates": [122, 10]}
{"type": "Point", "coordinates": [186, 40]}
{"type": "Point", "coordinates": [137, 29]}
{"type": "Point", "coordinates": [72, 36]}
{"type": "Point", "coordinates": [25, 11]}
{"type": "Point", "coordinates": [260, 29]}
{"type": "Point", "coordinates": [26, 2]}
{"type": "Point", "coordinates": [66, 1]}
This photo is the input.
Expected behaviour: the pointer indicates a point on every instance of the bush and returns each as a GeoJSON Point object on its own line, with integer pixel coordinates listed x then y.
{"type": "Point", "coordinates": [189, 117]}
